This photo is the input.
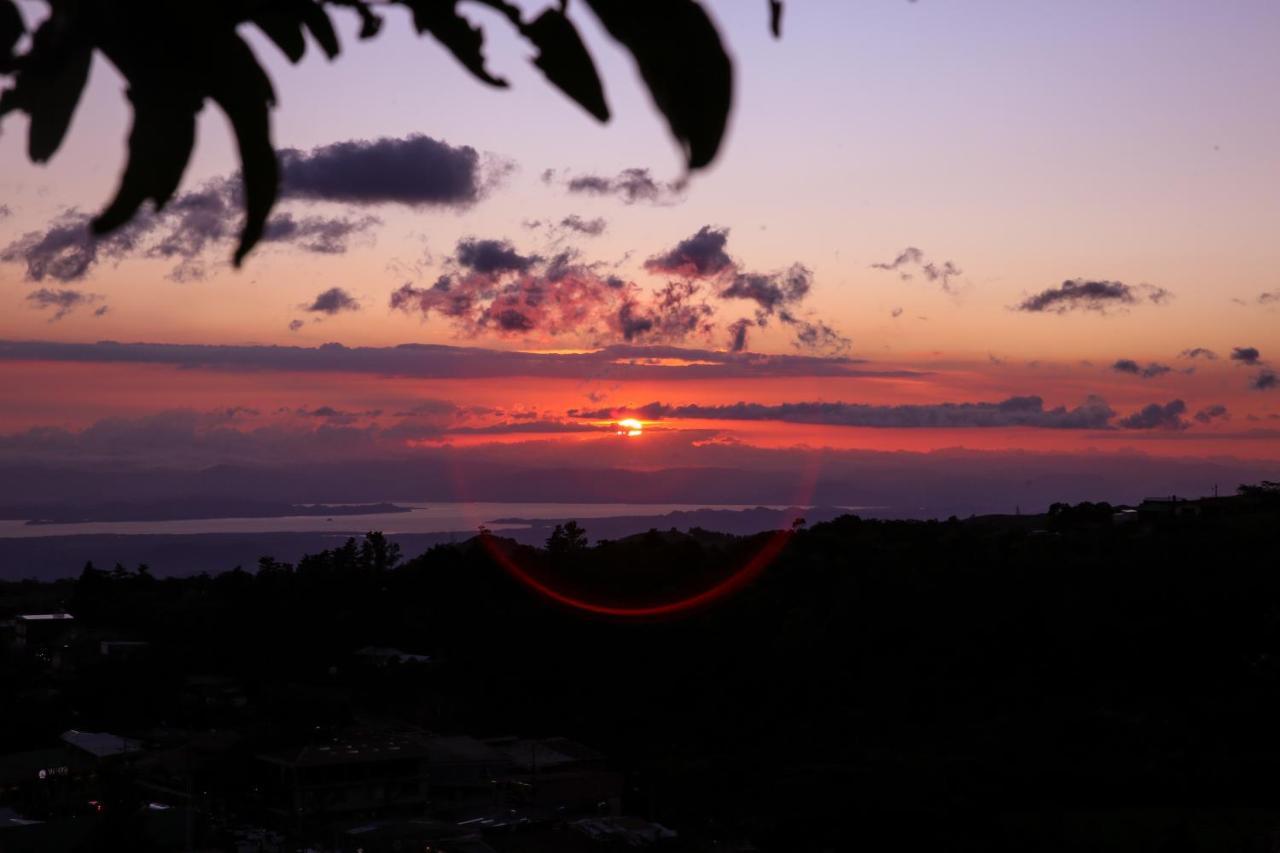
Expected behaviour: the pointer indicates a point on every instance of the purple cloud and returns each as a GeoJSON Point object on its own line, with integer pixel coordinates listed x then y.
{"type": "Point", "coordinates": [1099, 296]}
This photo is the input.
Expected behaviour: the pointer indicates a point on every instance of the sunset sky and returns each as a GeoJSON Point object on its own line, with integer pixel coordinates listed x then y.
{"type": "Point", "coordinates": [1037, 226]}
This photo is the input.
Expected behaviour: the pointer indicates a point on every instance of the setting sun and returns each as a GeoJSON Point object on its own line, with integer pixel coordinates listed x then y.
{"type": "Point", "coordinates": [630, 426]}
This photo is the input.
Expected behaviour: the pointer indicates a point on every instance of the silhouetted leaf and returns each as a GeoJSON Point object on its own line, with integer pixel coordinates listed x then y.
{"type": "Point", "coordinates": [48, 84]}
{"type": "Point", "coordinates": [318, 24]}
{"type": "Point", "coordinates": [176, 53]}
{"type": "Point", "coordinates": [283, 28]}
{"type": "Point", "coordinates": [563, 58]}
{"type": "Point", "coordinates": [775, 18]}
{"type": "Point", "coordinates": [370, 22]}
{"type": "Point", "coordinates": [244, 93]}
{"type": "Point", "coordinates": [11, 29]}
{"type": "Point", "coordinates": [283, 23]}
{"type": "Point", "coordinates": [160, 143]}
{"type": "Point", "coordinates": [441, 19]}
{"type": "Point", "coordinates": [682, 62]}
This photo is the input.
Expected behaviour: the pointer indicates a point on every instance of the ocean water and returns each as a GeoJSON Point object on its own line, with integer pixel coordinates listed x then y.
{"type": "Point", "coordinates": [440, 517]}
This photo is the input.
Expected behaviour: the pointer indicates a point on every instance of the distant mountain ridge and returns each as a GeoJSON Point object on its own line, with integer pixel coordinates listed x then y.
{"type": "Point", "coordinates": [181, 509]}
{"type": "Point", "coordinates": [910, 485]}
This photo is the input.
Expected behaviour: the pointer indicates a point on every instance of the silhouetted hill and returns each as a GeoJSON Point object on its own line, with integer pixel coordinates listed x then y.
{"type": "Point", "coordinates": [1070, 681]}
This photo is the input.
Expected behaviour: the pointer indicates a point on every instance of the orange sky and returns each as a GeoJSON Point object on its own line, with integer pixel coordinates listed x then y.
{"type": "Point", "coordinates": [1115, 143]}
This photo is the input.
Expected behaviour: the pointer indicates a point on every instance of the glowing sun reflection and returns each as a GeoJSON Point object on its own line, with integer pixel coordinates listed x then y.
{"type": "Point", "coordinates": [630, 426]}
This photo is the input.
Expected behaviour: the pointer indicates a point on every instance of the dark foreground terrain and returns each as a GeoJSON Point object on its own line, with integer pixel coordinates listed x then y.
{"type": "Point", "coordinates": [56, 556]}
{"type": "Point", "coordinates": [1083, 680]}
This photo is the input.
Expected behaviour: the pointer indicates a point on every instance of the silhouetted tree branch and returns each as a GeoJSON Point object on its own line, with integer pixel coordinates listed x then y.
{"type": "Point", "coordinates": [177, 54]}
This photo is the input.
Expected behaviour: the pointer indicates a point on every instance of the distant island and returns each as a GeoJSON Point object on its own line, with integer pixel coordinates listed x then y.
{"type": "Point", "coordinates": [185, 510]}
{"type": "Point", "coordinates": [740, 522]}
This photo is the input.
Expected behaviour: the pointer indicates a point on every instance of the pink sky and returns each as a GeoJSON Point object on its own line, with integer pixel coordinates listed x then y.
{"type": "Point", "coordinates": [1025, 144]}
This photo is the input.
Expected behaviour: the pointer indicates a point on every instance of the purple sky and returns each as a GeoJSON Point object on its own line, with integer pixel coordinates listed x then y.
{"type": "Point", "coordinates": [971, 202]}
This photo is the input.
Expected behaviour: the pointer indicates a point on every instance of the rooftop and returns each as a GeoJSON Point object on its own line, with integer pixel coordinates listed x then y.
{"type": "Point", "coordinates": [544, 753]}
{"type": "Point", "coordinates": [356, 746]}
{"type": "Point", "coordinates": [101, 744]}
{"type": "Point", "coordinates": [392, 654]}
{"type": "Point", "coordinates": [463, 749]}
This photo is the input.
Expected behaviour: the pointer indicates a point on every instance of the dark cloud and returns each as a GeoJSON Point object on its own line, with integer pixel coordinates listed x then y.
{"type": "Point", "coordinates": [699, 256]}
{"type": "Point", "coordinates": [1212, 413]}
{"type": "Point", "coordinates": [492, 257]}
{"type": "Point", "coordinates": [775, 294]}
{"type": "Point", "coordinates": [63, 301]}
{"type": "Point", "coordinates": [620, 361]}
{"type": "Point", "coordinates": [192, 223]}
{"type": "Point", "coordinates": [190, 226]}
{"type": "Point", "coordinates": [527, 427]}
{"type": "Point", "coordinates": [1128, 365]}
{"type": "Point", "coordinates": [5, 211]}
{"type": "Point", "coordinates": [911, 261]}
{"type": "Point", "coordinates": [1080, 294]}
{"type": "Point", "coordinates": [429, 408]}
{"type": "Point", "coordinates": [185, 437]}
{"type": "Point", "coordinates": [441, 297]}
{"type": "Point", "coordinates": [1264, 380]}
{"type": "Point", "coordinates": [65, 251]}
{"type": "Point", "coordinates": [1028, 411]}
{"type": "Point", "coordinates": [895, 313]}
{"type": "Point", "coordinates": [910, 256]}
{"type": "Point", "coordinates": [1246, 355]}
{"type": "Point", "coordinates": [771, 291]}
{"type": "Point", "coordinates": [196, 223]}
{"type": "Point", "coordinates": [489, 285]}
{"type": "Point", "coordinates": [295, 325]}
{"type": "Point", "coordinates": [680, 311]}
{"type": "Point", "coordinates": [334, 415]}
{"type": "Point", "coordinates": [513, 320]}
{"type": "Point", "coordinates": [1255, 434]}
{"type": "Point", "coordinates": [1271, 297]}
{"type": "Point", "coordinates": [335, 300]}
{"type": "Point", "coordinates": [673, 314]}
{"type": "Point", "coordinates": [815, 335]}
{"type": "Point", "coordinates": [1156, 416]}
{"type": "Point", "coordinates": [1199, 352]}
{"type": "Point", "coordinates": [590, 227]}
{"type": "Point", "coordinates": [320, 234]}
{"type": "Point", "coordinates": [632, 323]}
{"type": "Point", "coordinates": [166, 454]}
{"type": "Point", "coordinates": [562, 264]}
{"type": "Point", "coordinates": [629, 185]}
{"type": "Point", "coordinates": [415, 170]}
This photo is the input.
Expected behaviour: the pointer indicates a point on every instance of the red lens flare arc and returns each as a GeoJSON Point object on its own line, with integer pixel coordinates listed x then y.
{"type": "Point", "coordinates": [749, 572]}
{"type": "Point", "coordinates": [758, 562]}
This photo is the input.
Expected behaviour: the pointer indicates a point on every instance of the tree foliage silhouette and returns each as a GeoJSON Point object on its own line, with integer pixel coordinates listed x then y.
{"type": "Point", "coordinates": [177, 54]}
{"type": "Point", "coordinates": [567, 538]}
